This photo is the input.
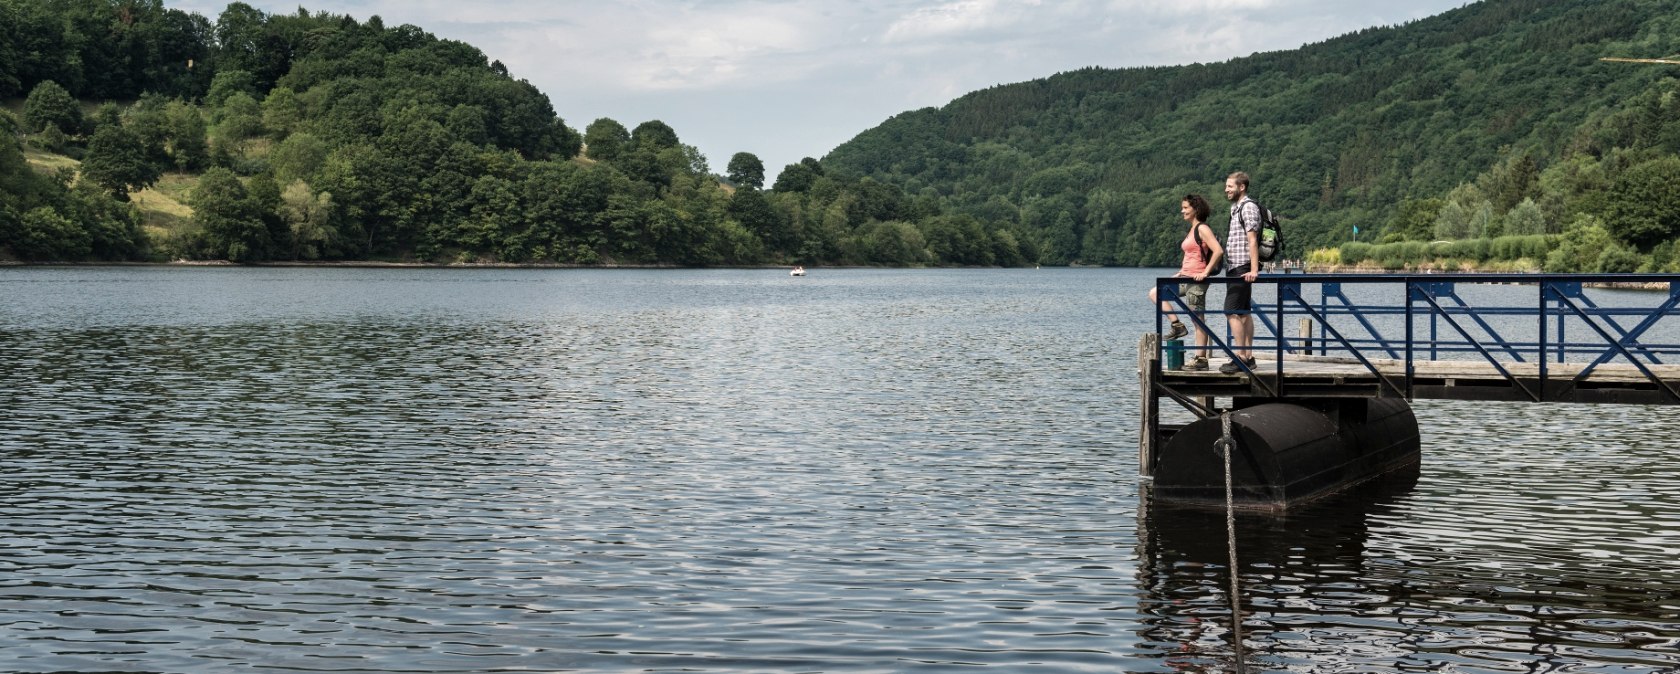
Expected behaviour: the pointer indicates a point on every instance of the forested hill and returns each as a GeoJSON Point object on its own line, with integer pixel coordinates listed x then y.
{"type": "Point", "coordinates": [1494, 118]}
{"type": "Point", "coordinates": [135, 131]}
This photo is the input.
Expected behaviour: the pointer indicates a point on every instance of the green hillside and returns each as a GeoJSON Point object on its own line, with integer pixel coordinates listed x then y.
{"type": "Point", "coordinates": [1493, 119]}
{"type": "Point", "coordinates": [134, 131]}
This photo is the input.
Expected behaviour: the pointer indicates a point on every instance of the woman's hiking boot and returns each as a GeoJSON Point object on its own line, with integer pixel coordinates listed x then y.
{"type": "Point", "coordinates": [1176, 331]}
{"type": "Point", "coordinates": [1197, 364]}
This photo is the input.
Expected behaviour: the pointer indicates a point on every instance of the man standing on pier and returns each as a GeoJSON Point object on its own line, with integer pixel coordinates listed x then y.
{"type": "Point", "coordinates": [1241, 246]}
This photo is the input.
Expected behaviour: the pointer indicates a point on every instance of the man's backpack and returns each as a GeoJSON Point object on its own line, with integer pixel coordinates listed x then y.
{"type": "Point", "coordinates": [1271, 234]}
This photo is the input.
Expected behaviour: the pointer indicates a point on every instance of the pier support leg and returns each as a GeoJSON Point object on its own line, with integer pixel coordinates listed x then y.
{"type": "Point", "coordinates": [1149, 436]}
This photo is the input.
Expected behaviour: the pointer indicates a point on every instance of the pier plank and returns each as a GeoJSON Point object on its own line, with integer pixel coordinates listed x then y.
{"type": "Point", "coordinates": [1614, 382]}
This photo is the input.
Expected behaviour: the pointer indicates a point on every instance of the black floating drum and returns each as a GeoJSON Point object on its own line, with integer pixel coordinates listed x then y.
{"type": "Point", "coordinates": [1289, 453]}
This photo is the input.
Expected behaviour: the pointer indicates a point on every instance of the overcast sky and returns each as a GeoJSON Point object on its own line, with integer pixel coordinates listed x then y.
{"type": "Point", "coordinates": [786, 79]}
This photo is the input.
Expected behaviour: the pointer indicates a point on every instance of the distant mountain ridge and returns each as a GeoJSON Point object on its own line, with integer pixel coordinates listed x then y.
{"type": "Point", "coordinates": [1336, 134]}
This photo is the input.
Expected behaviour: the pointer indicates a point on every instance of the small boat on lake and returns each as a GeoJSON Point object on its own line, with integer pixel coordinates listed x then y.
{"type": "Point", "coordinates": [797, 271]}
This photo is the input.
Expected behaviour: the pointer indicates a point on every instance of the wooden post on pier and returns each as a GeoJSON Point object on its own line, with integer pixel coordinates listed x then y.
{"type": "Point", "coordinates": [1150, 406]}
{"type": "Point", "coordinates": [1306, 336]}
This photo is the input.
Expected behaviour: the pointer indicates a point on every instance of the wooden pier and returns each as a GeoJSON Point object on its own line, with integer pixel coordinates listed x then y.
{"type": "Point", "coordinates": [1341, 377]}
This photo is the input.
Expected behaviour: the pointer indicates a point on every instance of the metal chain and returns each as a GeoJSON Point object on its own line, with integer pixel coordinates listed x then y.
{"type": "Point", "coordinates": [1228, 443]}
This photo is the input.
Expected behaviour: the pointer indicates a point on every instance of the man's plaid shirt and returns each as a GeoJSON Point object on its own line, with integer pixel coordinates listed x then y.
{"type": "Point", "coordinates": [1236, 242]}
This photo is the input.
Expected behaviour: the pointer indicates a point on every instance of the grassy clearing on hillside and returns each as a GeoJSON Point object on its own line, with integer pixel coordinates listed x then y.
{"type": "Point", "coordinates": [47, 162]}
{"type": "Point", "coordinates": [164, 206]}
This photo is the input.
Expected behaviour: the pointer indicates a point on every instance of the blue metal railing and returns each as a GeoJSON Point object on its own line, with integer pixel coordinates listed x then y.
{"type": "Point", "coordinates": [1414, 318]}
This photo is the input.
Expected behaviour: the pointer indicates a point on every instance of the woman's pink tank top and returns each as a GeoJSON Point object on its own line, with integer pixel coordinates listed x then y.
{"type": "Point", "coordinates": [1193, 263]}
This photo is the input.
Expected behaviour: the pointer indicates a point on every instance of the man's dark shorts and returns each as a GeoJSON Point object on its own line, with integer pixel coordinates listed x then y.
{"type": "Point", "coordinates": [1239, 295]}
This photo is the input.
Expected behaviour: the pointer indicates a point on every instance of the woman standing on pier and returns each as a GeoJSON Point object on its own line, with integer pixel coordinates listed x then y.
{"type": "Point", "coordinates": [1201, 252]}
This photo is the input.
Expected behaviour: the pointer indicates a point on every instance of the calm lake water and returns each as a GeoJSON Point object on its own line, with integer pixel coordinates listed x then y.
{"type": "Point", "coordinates": [722, 471]}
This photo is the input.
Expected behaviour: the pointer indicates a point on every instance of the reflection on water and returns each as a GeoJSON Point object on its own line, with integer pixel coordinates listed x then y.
{"type": "Point", "coordinates": [1294, 580]}
{"type": "Point", "coordinates": [447, 470]}
{"type": "Point", "coordinates": [1499, 577]}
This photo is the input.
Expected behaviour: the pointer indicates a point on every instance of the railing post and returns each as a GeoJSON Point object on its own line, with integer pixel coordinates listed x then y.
{"type": "Point", "coordinates": [1293, 290]}
{"type": "Point", "coordinates": [1149, 369]}
{"type": "Point", "coordinates": [1434, 336]}
{"type": "Point", "coordinates": [1543, 286]}
{"type": "Point", "coordinates": [1324, 310]}
{"type": "Point", "coordinates": [1160, 298]}
{"type": "Point", "coordinates": [1562, 340]}
{"type": "Point", "coordinates": [1409, 369]}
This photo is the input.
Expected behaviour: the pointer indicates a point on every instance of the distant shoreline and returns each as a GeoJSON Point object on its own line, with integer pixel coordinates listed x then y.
{"type": "Point", "coordinates": [372, 264]}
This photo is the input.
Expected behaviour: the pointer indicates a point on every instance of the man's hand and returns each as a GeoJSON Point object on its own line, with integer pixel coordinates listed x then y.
{"type": "Point", "coordinates": [1250, 276]}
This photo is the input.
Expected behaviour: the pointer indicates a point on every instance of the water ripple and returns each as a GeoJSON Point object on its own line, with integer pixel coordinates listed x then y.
{"type": "Point", "coordinates": [860, 471]}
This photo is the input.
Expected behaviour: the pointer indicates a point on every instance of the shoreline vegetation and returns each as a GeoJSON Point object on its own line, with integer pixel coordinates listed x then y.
{"type": "Point", "coordinates": [385, 264]}
{"type": "Point", "coordinates": [1376, 270]}
{"type": "Point", "coordinates": [419, 264]}
{"type": "Point", "coordinates": [380, 264]}
{"type": "Point", "coordinates": [376, 264]}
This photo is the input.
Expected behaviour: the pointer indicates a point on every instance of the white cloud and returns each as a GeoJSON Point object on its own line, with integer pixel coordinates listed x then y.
{"type": "Point", "coordinates": [946, 20]}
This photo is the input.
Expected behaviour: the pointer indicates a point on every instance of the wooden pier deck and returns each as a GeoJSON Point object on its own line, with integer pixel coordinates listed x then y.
{"type": "Point", "coordinates": [1331, 377]}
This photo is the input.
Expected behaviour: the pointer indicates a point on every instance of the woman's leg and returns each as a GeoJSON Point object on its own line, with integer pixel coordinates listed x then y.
{"type": "Point", "coordinates": [1166, 307]}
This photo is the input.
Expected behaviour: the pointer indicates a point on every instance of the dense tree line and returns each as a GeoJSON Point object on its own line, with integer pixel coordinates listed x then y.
{"type": "Point", "coordinates": [324, 137]}
{"type": "Point", "coordinates": [318, 136]}
{"type": "Point", "coordinates": [103, 49]}
{"type": "Point", "coordinates": [1494, 119]}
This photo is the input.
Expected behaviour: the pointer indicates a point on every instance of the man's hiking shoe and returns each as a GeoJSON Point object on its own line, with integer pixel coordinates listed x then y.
{"type": "Point", "coordinates": [1233, 368]}
{"type": "Point", "coordinates": [1176, 331]}
{"type": "Point", "coordinates": [1196, 365]}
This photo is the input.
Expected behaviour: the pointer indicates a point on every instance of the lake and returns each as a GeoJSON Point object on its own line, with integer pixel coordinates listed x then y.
{"type": "Point", "coordinates": [444, 470]}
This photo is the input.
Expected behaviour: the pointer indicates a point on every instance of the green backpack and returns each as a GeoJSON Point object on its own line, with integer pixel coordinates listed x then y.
{"type": "Point", "coordinates": [1271, 234]}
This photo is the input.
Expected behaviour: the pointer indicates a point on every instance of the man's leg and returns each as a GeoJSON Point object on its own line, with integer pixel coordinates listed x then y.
{"type": "Point", "coordinates": [1238, 308]}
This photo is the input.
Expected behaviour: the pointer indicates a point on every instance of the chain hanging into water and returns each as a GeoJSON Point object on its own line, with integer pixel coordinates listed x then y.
{"type": "Point", "coordinates": [1227, 444]}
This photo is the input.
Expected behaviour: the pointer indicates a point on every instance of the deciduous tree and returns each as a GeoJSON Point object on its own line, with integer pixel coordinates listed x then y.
{"type": "Point", "coordinates": [189, 149]}
{"type": "Point", "coordinates": [606, 139]}
{"type": "Point", "coordinates": [746, 170]}
{"type": "Point", "coordinates": [232, 224]}
{"type": "Point", "coordinates": [117, 161]}
{"type": "Point", "coordinates": [1643, 210]}
{"type": "Point", "coordinates": [44, 234]}
{"type": "Point", "coordinates": [309, 217]}
{"type": "Point", "coordinates": [798, 177]}
{"type": "Point", "coordinates": [654, 135]}
{"type": "Point", "coordinates": [50, 105]}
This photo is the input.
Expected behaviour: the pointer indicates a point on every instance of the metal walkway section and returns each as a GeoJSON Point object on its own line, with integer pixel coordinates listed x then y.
{"type": "Point", "coordinates": [1521, 337]}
